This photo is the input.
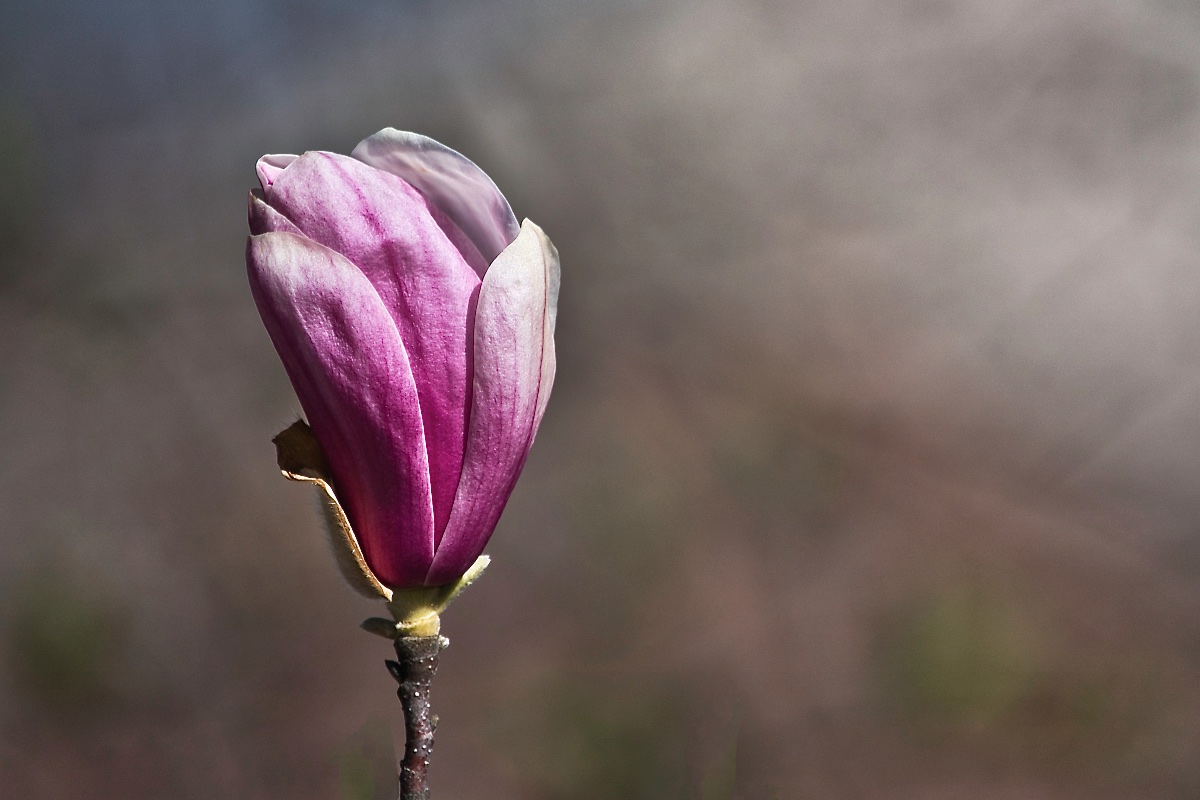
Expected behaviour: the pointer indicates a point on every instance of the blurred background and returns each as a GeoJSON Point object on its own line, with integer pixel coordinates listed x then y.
{"type": "Point", "coordinates": [873, 465]}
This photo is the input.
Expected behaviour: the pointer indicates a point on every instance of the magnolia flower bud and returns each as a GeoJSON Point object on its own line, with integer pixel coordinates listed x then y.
{"type": "Point", "coordinates": [415, 319]}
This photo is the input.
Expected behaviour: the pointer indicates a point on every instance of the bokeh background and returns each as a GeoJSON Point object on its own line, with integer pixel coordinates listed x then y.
{"type": "Point", "coordinates": [871, 470]}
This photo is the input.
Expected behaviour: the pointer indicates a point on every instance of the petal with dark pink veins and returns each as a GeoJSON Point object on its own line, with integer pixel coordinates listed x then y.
{"type": "Point", "coordinates": [391, 233]}
{"type": "Point", "coordinates": [352, 374]}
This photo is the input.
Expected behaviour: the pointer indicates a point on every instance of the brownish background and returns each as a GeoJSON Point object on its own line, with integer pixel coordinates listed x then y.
{"type": "Point", "coordinates": [871, 472]}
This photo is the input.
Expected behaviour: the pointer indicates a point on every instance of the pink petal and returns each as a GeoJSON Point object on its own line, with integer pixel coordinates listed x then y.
{"type": "Point", "coordinates": [269, 167]}
{"type": "Point", "coordinates": [514, 370]}
{"type": "Point", "coordinates": [389, 231]}
{"type": "Point", "coordinates": [264, 219]}
{"type": "Point", "coordinates": [352, 375]}
{"type": "Point", "coordinates": [451, 180]}
{"type": "Point", "coordinates": [549, 363]}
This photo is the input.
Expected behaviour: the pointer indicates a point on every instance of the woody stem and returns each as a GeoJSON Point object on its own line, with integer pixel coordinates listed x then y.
{"type": "Point", "coordinates": [415, 665]}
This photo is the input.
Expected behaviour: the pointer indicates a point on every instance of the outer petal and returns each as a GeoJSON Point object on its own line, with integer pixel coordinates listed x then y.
{"type": "Point", "coordinates": [387, 229]}
{"type": "Point", "coordinates": [351, 373]}
{"type": "Point", "coordinates": [514, 369]}
{"type": "Point", "coordinates": [451, 180]}
{"type": "Point", "coordinates": [264, 219]}
{"type": "Point", "coordinates": [549, 361]}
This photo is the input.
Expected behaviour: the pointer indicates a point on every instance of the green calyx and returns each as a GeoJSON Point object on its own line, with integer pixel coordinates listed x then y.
{"type": "Point", "coordinates": [417, 611]}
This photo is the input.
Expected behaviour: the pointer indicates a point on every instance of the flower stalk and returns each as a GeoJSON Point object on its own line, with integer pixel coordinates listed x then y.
{"type": "Point", "coordinates": [414, 668]}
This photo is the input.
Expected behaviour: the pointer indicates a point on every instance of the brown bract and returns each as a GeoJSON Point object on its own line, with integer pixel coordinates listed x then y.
{"type": "Point", "coordinates": [300, 459]}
